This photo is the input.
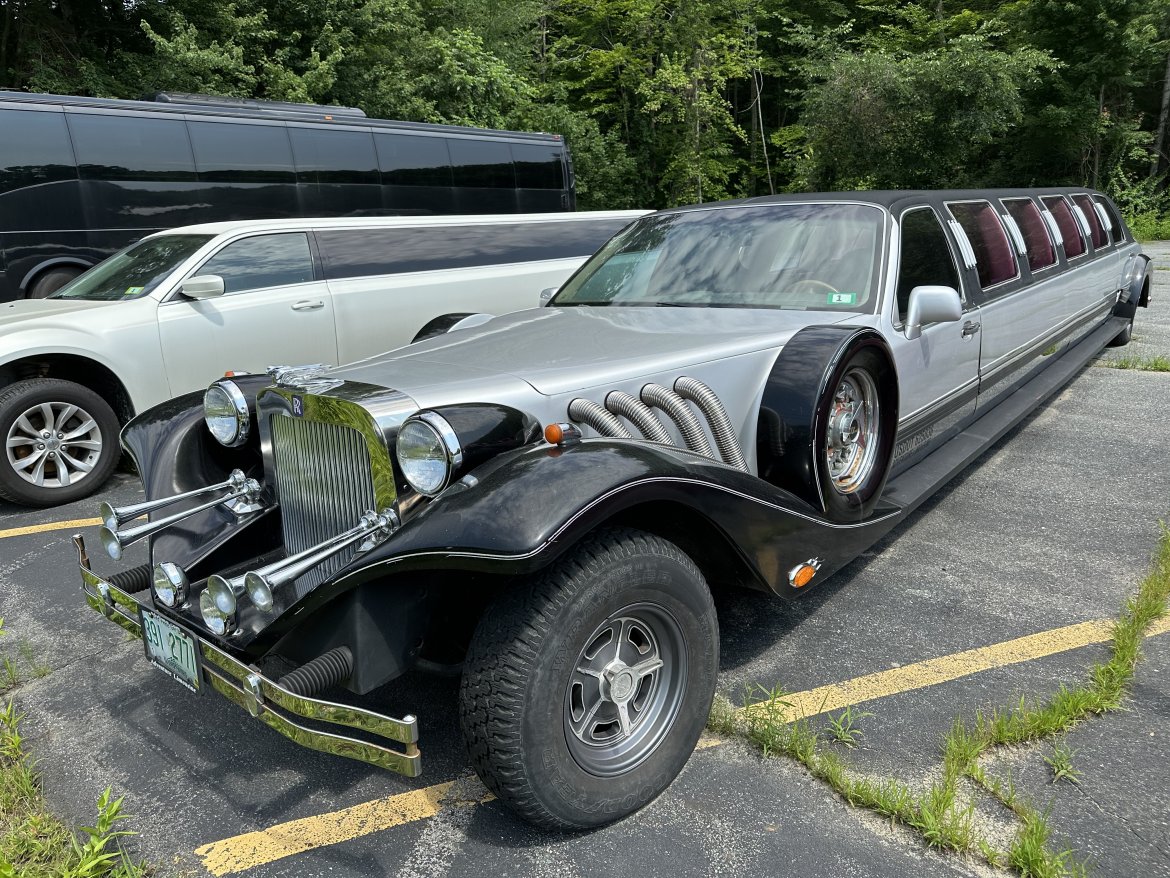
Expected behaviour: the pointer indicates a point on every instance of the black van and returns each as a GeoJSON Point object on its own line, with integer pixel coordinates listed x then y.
{"type": "Point", "coordinates": [82, 177]}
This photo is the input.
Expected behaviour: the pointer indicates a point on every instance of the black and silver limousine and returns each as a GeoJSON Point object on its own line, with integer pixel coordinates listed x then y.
{"type": "Point", "coordinates": [744, 393]}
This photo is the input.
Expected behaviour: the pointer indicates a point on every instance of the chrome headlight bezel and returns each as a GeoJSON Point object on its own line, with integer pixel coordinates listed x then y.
{"type": "Point", "coordinates": [169, 584]}
{"type": "Point", "coordinates": [446, 449]}
{"type": "Point", "coordinates": [233, 405]}
{"type": "Point", "coordinates": [217, 606]}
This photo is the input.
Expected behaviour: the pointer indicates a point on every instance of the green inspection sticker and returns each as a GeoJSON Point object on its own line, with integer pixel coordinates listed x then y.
{"type": "Point", "coordinates": [842, 298]}
{"type": "Point", "coordinates": [133, 291]}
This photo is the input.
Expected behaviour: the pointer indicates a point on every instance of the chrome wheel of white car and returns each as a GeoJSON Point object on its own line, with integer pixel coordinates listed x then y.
{"type": "Point", "coordinates": [60, 441]}
{"type": "Point", "coordinates": [852, 442]}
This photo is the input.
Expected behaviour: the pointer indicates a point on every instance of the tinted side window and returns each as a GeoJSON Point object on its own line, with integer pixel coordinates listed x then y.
{"type": "Point", "coordinates": [413, 160]}
{"type": "Point", "coordinates": [234, 152]}
{"type": "Point", "coordinates": [1097, 232]}
{"type": "Point", "coordinates": [34, 149]}
{"type": "Point", "coordinates": [993, 252]}
{"type": "Point", "coordinates": [1074, 242]}
{"type": "Point", "coordinates": [537, 166]}
{"type": "Point", "coordinates": [337, 156]}
{"type": "Point", "coordinates": [926, 256]}
{"type": "Point", "coordinates": [1041, 252]}
{"type": "Point", "coordinates": [481, 163]}
{"type": "Point", "coordinates": [1118, 227]}
{"type": "Point", "coordinates": [131, 148]}
{"type": "Point", "coordinates": [358, 253]}
{"type": "Point", "coordinates": [262, 261]}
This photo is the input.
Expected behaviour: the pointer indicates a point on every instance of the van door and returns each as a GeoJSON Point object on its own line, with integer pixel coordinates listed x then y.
{"type": "Point", "coordinates": [274, 310]}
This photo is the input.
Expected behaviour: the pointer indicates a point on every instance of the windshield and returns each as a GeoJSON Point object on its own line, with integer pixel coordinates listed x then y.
{"type": "Point", "coordinates": [794, 256]}
{"type": "Point", "coordinates": [135, 271]}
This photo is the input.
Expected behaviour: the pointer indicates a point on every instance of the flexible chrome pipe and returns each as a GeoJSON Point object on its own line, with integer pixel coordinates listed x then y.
{"type": "Point", "coordinates": [676, 409]}
{"type": "Point", "coordinates": [640, 415]}
{"type": "Point", "coordinates": [725, 439]}
{"type": "Point", "coordinates": [586, 411]}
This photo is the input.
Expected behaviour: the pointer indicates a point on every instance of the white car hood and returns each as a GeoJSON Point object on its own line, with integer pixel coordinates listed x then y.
{"type": "Point", "coordinates": [42, 312]}
{"type": "Point", "coordinates": [563, 350]}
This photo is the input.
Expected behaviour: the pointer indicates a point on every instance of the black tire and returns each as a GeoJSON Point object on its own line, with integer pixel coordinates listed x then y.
{"type": "Point", "coordinates": [1124, 337]}
{"type": "Point", "coordinates": [521, 691]}
{"type": "Point", "coordinates": [51, 281]}
{"type": "Point", "coordinates": [92, 454]}
{"type": "Point", "coordinates": [851, 486]}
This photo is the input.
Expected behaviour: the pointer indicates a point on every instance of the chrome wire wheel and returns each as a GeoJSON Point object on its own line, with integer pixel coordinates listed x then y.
{"type": "Point", "coordinates": [53, 445]}
{"type": "Point", "coordinates": [852, 439]}
{"type": "Point", "coordinates": [625, 689]}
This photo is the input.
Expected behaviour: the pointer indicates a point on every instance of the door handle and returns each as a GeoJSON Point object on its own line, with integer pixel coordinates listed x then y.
{"type": "Point", "coordinates": [306, 305]}
{"type": "Point", "coordinates": [971, 327]}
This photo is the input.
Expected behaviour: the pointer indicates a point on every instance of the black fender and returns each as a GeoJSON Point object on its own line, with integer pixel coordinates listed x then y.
{"type": "Point", "coordinates": [1137, 292]}
{"type": "Point", "coordinates": [794, 408]}
{"type": "Point", "coordinates": [517, 514]}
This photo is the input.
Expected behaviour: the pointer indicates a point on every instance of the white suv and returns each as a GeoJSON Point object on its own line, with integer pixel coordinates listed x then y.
{"type": "Point", "coordinates": [169, 314]}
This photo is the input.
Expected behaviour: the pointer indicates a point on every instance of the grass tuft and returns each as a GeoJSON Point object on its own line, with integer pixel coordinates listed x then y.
{"type": "Point", "coordinates": [844, 727]}
{"type": "Point", "coordinates": [1061, 763]}
{"type": "Point", "coordinates": [1156, 363]}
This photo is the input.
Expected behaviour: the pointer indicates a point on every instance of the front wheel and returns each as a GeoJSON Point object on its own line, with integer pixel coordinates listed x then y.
{"type": "Point", "coordinates": [60, 442]}
{"type": "Point", "coordinates": [585, 691]}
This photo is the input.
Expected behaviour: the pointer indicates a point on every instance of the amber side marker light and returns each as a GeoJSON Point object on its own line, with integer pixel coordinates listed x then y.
{"type": "Point", "coordinates": [802, 574]}
{"type": "Point", "coordinates": [561, 434]}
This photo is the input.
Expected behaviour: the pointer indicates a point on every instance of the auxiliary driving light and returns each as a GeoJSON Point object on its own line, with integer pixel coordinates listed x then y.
{"type": "Point", "coordinates": [217, 606]}
{"type": "Point", "coordinates": [170, 584]}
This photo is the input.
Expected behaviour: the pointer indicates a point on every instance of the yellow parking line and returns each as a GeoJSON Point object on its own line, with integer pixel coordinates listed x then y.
{"type": "Point", "coordinates": [52, 525]}
{"type": "Point", "coordinates": [242, 852]}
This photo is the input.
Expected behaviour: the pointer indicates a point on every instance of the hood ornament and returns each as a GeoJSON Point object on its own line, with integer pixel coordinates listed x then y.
{"type": "Point", "coordinates": [309, 378]}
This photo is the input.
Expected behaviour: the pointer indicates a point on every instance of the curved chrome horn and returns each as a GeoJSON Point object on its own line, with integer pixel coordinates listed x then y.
{"type": "Point", "coordinates": [115, 541]}
{"type": "Point", "coordinates": [372, 529]}
{"type": "Point", "coordinates": [114, 517]}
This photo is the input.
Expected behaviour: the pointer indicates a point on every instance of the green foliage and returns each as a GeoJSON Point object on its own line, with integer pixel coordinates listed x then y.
{"type": "Point", "coordinates": [1061, 763]}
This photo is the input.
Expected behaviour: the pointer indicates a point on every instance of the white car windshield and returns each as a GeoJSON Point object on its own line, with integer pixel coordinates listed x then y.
{"type": "Point", "coordinates": [135, 271]}
{"type": "Point", "coordinates": [792, 256]}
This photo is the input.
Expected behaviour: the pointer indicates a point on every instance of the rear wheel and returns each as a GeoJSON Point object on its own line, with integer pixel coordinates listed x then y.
{"type": "Point", "coordinates": [584, 692]}
{"type": "Point", "coordinates": [51, 281]}
{"type": "Point", "coordinates": [60, 442]}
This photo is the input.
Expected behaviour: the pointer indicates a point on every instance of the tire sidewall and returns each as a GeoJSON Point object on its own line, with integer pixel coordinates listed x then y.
{"type": "Point", "coordinates": [13, 403]}
{"type": "Point", "coordinates": [51, 281]}
{"type": "Point", "coordinates": [859, 503]}
{"type": "Point", "coordinates": [570, 793]}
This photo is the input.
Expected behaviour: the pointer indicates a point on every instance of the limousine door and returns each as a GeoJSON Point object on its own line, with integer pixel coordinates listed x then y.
{"type": "Point", "coordinates": [273, 311]}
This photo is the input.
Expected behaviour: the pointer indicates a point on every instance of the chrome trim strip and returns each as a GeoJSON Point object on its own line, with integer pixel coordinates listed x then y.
{"type": "Point", "coordinates": [251, 690]}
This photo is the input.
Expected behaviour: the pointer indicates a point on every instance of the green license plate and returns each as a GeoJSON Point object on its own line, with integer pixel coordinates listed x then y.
{"type": "Point", "coordinates": [170, 649]}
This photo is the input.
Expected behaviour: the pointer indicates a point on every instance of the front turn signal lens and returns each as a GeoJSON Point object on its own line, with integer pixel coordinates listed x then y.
{"type": "Point", "coordinates": [802, 574]}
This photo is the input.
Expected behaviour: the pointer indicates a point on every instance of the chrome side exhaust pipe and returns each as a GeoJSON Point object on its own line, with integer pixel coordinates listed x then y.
{"type": "Point", "coordinates": [238, 487]}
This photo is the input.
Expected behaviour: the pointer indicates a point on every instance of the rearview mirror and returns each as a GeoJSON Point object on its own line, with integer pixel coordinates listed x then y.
{"type": "Point", "coordinates": [932, 304]}
{"type": "Point", "coordinates": [206, 286]}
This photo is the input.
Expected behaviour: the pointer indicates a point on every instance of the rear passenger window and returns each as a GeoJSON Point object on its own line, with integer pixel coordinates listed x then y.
{"type": "Point", "coordinates": [926, 256]}
{"type": "Point", "coordinates": [537, 167]}
{"type": "Point", "coordinates": [1074, 242]}
{"type": "Point", "coordinates": [131, 148]}
{"type": "Point", "coordinates": [1041, 251]}
{"type": "Point", "coordinates": [481, 163]}
{"type": "Point", "coordinates": [1096, 230]}
{"type": "Point", "coordinates": [993, 252]}
{"type": "Point", "coordinates": [262, 261]}
{"type": "Point", "coordinates": [413, 160]}
{"type": "Point", "coordinates": [235, 152]}
{"type": "Point", "coordinates": [34, 149]}
{"type": "Point", "coordinates": [366, 252]}
{"type": "Point", "coordinates": [334, 156]}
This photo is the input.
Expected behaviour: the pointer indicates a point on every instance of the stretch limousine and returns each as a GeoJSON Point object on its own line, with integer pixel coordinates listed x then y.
{"type": "Point", "coordinates": [750, 392]}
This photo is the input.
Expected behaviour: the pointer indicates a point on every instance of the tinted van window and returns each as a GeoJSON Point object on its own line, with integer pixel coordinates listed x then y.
{"type": "Point", "coordinates": [537, 167]}
{"type": "Point", "coordinates": [262, 261]}
{"type": "Point", "coordinates": [1096, 230]}
{"type": "Point", "coordinates": [239, 153]}
{"type": "Point", "coordinates": [409, 160]}
{"type": "Point", "coordinates": [993, 252]}
{"type": "Point", "coordinates": [1074, 242]}
{"type": "Point", "coordinates": [34, 149]}
{"type": "Point", "coordinates": [926, 256]}
{"type": "Point", "coordinates": [324, 156]}
{"type": "Point", "coordinates": [361, 252]}
{"type": "Point", "coordinates": [136, 148]}
{"type": "Point", "coordinates": [1041, 252]}
{"type": "Point", "coordinates": [481, 163]}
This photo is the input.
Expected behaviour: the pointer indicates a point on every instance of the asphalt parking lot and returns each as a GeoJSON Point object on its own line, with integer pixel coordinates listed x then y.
{"type": "Point", "coordinates": [1050, 529]}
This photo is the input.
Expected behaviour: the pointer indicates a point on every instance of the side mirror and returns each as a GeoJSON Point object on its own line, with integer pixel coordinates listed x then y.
{"type": "Point", "coordinates": [932, 304]}
{"type": "Point", "coordinates": [206, 286]}
{"type": "Point", "coordinates": [546, 296]}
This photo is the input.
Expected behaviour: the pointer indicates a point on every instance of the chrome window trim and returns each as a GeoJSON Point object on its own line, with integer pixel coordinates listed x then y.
{"type": "Point", "coordinates": [1015, 261]}
{"type": "Point", "coordinates": [1056, 226]}
{"type": "Point", "coordinates": [1015, 234]}
{"type": "Point", "coordinates": [1106, 223]}
{"type": "Point", "coordinates": [1049, 227]}
{"type": "Point", "coordinates": [968, 253]}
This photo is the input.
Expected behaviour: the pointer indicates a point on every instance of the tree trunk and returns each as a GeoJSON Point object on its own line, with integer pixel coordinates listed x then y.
{"type": "Point", "coordinates": [1097, 140]}
{"type": "Point", "coordinates": [8, 7]}
{"type": "Point", "coordinates": [1163, 118]}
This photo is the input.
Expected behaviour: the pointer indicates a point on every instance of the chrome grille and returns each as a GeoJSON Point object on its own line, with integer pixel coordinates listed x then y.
{"type": "Point", "coordinates": [323, 483]}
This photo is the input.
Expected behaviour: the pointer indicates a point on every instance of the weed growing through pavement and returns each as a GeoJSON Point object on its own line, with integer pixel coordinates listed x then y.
{"type": "Point", "coordinates": [844, 728]}
{"type": "Point", "coordinates": [1157, 363]}
{"type": "Point", "coordinates": [939, 814]}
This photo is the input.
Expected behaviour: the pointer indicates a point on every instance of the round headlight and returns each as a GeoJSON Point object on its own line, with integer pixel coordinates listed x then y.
{"type": "Point", "coordinates": [428, 452]}
{"type": "Point", "coordinates": [226, 412]}
{"type": "Point", "coordinates": [170, 584]}
{"type": "Point", "coordinates": [217, 606]}
{"type": "Point", "coordinates": [259, 591]}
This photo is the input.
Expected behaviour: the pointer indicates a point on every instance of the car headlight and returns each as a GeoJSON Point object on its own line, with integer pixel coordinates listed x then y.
{"type": "Point", "coordinates": [170, 584]}
{"type": "Point", "coordinates": [428, 452]}
{"type": "Point", "coordinates": [226, 412]}
{"type": "Point", "coordinates": [217, 606]}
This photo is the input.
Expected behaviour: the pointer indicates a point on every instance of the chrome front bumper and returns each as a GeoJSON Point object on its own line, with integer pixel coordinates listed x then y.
{"type": "Point", "coordinates": [265, 699]}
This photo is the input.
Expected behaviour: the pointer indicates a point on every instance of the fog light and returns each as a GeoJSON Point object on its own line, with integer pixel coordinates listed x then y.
{"type": "Point", "coordinates": [259, 591]}
{"type": "Point", "coordinates": [217, 606]}
{"type": "Point", "coordinates": [170, 584]}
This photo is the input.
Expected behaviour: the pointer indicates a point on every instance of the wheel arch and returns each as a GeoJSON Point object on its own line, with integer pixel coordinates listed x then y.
{"type": "Point", "coordinates": [86, 371]}
{"type": "Point", "coordinates": [40, 268]}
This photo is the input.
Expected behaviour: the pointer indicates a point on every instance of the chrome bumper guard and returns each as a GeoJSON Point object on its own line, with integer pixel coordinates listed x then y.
{"type": "Point", "coordinates": [262, 697]}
